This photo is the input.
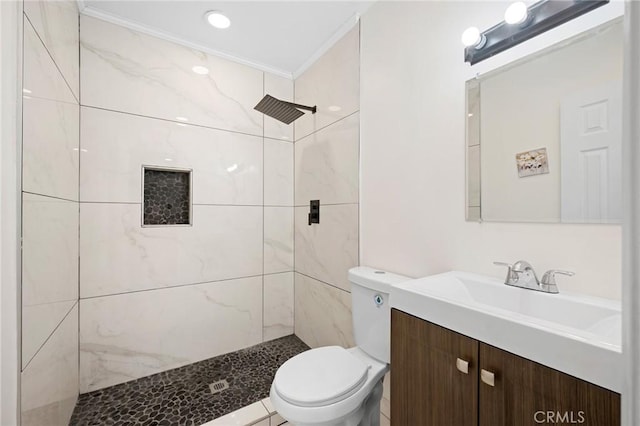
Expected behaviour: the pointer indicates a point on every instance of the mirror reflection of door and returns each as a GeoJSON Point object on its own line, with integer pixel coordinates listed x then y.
{"type": "Point", "coordinates": [591, 154]}
{"type": "Point", "coordinates": [565, 100]}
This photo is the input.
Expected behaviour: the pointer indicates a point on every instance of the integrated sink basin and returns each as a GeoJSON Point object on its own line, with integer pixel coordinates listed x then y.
{"type": "Point", "coordinates": [576, 334]}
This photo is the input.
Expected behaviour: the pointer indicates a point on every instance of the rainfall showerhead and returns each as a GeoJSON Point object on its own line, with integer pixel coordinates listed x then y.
{"type": "Point", "coordinates": [284, 111]}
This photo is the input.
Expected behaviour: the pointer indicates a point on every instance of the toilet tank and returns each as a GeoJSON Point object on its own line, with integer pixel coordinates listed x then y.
{"type": "Point", "coordinates": [370, 310]}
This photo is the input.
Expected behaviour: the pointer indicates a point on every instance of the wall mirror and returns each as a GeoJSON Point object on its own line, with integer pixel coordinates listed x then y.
{"type": "Point", "coordinates": [544, 134]}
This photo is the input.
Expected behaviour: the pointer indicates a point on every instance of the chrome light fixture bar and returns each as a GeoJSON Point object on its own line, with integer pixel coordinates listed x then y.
{"type": "Point", "coordinates": [541, 17]}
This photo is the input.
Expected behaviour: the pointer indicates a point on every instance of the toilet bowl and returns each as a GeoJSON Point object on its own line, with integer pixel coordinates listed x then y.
{"type": "Point", "coordinates": [335, 386]}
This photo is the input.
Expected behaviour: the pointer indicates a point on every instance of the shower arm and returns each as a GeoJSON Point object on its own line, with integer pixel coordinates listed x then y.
{"type": "Point", "coordinates": [313, 109]}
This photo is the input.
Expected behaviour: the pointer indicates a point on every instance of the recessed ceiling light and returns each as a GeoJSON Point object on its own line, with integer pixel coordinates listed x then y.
{"type": "Point", "coordinates": [182, 119]}
{"type": "Point", "coordinates": [334, 108]}
{"type": "Point", "coordinates": [217, 19]}
{"type": "Point", "coordinates": [198, 69]}
{"type": "Point", "coordinates": [26, 91]}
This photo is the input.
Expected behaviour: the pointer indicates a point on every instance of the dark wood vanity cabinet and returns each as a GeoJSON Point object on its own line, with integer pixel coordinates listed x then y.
{"type": "Point", "coordinates": [442, 378]}
{"type": "Point", "coordinates": [528, 393]}
{"type": "Point", "coordinates": [426, 386]}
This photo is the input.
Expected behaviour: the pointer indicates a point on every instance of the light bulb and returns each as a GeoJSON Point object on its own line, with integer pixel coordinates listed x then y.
{"type": "Point", "coordinates": [471, 37]}
{"type": "Point", "coordinates": [516, 13]}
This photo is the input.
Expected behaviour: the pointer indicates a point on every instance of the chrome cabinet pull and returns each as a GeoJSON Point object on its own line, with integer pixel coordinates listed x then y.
{"type": "Point", "coordinates": [462, 366]}
{"type": "Point", "coordinates": [487, 377]}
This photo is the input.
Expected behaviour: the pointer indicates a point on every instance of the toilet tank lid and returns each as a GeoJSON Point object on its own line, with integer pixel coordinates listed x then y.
{"type": "Point", "coordinates": [375, 279]}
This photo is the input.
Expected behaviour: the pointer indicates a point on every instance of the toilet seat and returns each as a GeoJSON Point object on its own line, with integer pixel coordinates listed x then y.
{"type": "Point", "coordinates": [334, 372]}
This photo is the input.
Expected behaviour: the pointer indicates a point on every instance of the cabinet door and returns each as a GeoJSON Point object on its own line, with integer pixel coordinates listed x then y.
{"type": "Point", "coordinates": [527, 393]}
{"type": "Point", "coordinates": [428, 387]}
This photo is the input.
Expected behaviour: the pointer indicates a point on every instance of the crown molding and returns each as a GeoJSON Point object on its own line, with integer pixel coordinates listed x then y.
{"type": "Point", "coordinates": [114, 19]}
{"type": "Point", "coordinates": [324, 48]}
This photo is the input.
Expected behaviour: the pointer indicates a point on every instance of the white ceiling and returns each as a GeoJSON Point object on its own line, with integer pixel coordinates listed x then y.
{"type": "Point", "coordinates": [278, 36]}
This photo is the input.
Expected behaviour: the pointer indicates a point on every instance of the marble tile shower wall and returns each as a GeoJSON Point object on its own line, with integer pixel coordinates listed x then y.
{"type": "Point", "coordinates": [156, 298]}
{"type": "Point", "coordinates": [327, 169]}
{"type": "Point", "coordinates": [50, 165]}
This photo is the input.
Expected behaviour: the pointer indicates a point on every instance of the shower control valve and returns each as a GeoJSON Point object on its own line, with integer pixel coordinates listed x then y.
{"type": "Point", "coordinates": [314, 211]}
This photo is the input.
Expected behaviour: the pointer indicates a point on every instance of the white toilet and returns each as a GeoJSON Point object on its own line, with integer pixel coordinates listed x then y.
{"type": "Point", "coordinates": [336, 386]}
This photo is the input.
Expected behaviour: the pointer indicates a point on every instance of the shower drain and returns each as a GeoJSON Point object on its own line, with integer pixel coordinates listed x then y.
{"type": "Point", "coordinates": [219, 386]}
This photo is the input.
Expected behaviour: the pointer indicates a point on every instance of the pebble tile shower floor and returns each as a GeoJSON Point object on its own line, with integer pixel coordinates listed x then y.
{"type": "Point", "coordinates": [182, 396]}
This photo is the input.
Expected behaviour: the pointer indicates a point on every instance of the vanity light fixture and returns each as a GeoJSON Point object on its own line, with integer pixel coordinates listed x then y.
{"type": "Point", "coordinates": [522, 23]}
{"type": "Point", "coordinates": [199, 69]}
{"type": "Point", "coordinates": [217, 20]}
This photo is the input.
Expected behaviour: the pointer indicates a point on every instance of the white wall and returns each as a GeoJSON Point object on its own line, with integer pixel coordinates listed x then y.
{"type": "Point", "coordinates": [520, 111]}
{"type": "Point", "coordinates": [413, 159]}
{"type": "Point", "coordinates": [631, 220]}
{"type": "Point", "coordinates": [156, 298]}
{"type": "Point", "coordinates": [10, 147]}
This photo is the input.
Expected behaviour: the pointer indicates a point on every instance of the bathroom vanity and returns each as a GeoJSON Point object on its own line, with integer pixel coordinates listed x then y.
{"type": "Point", "coordinates": [460, 356]}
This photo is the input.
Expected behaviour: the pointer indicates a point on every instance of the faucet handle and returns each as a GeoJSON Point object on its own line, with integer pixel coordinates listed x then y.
{"type": "Point", "coordinates": [549, 277]}
{"type": "Point", "coordinates": [512, 277]}
{"type": "Point", "coordinates": [548, 282]}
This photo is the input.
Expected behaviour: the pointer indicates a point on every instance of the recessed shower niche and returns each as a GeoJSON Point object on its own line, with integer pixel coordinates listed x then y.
{"type": "Point", "coordinates": [166, 196]}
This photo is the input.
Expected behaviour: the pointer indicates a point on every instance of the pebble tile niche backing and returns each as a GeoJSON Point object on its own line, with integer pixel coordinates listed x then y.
{"type": "Point", "coordinates": [166, 197]}
{"type": "Point", "coordinates": [182, 396]}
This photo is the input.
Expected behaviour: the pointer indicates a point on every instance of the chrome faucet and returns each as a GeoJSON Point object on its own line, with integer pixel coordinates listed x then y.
{"type": "Point", "coordinates": [521, 274]}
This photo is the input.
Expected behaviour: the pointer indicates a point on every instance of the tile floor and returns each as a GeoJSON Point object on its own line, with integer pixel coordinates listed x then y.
{"type": "Point", "coordinates": [263, 413]}
{"type": "Point", "coordinates": [260, 413]}
{"type": "Point", "coordinates": [182, 396]}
